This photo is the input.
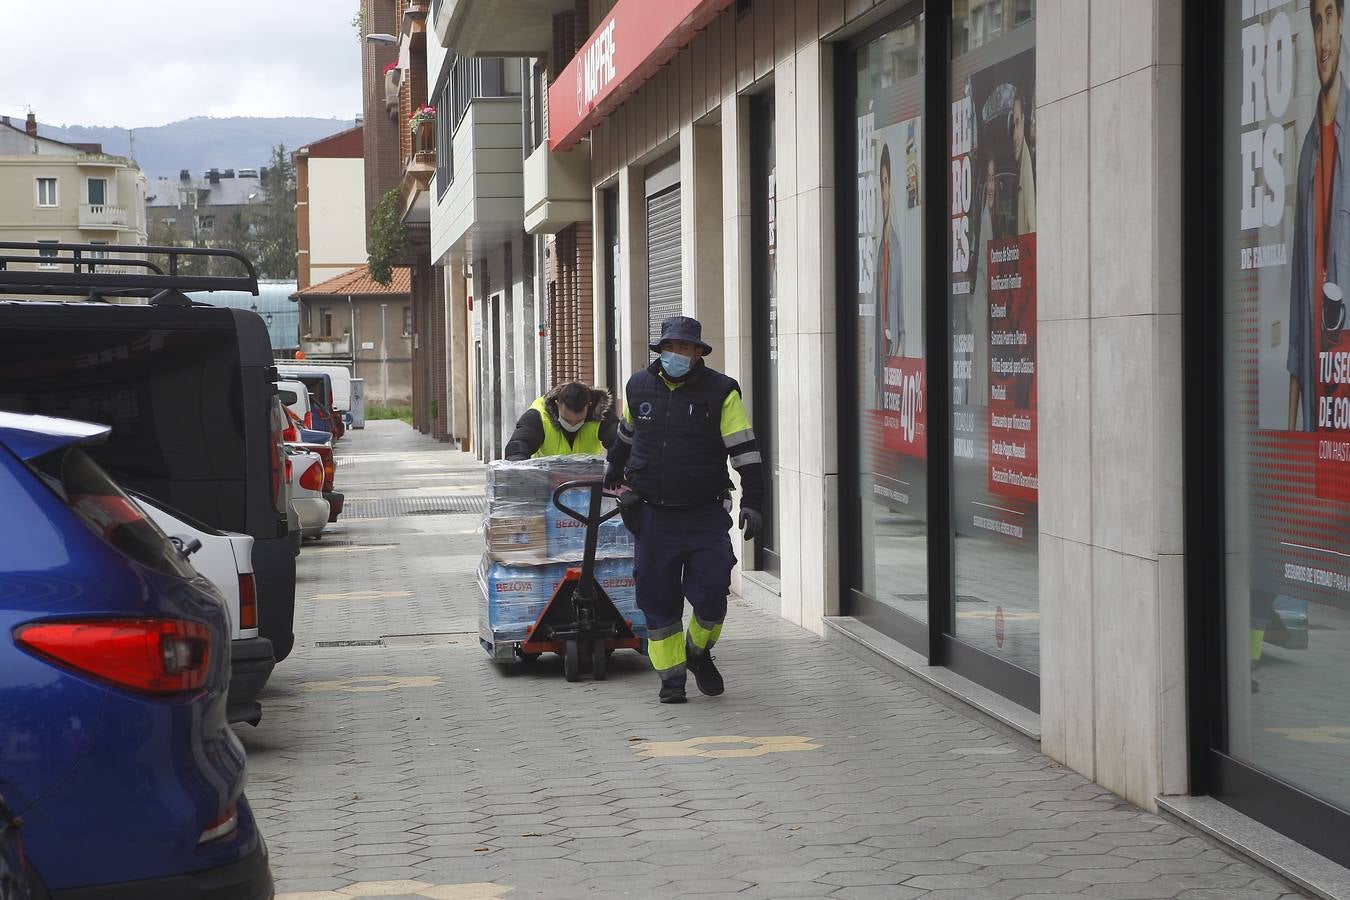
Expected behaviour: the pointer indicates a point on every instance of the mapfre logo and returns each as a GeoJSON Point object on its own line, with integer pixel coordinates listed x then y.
{"type": "Point", "coordinates": [597, 68]}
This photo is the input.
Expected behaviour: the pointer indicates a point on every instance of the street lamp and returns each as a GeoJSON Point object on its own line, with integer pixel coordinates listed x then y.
{"type": "Point", "coordinates": [384, 355]}
{"type": "Point", "coordinates": [380, 38]}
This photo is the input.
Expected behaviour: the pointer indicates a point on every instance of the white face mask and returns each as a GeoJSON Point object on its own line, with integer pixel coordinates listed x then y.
{"type": "Point", "coordinates": [569, 427]}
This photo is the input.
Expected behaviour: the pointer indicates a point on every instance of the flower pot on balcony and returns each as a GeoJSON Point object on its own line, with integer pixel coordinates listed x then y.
{"type": "Point", "coordinates": [424, 139]}
{"type": "Point", "coordinates": [391, 86]}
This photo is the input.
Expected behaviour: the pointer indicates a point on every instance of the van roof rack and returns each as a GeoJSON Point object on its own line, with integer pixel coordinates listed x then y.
{"type": "Point", "coordinates": [67, 269]}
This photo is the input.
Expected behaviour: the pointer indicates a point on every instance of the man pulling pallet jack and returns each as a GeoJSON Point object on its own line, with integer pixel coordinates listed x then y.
{"type": "Point", "coordinates": [681, 422]}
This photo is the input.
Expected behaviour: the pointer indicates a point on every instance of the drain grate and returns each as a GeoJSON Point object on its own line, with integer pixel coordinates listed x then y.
{"type": "Point", "coordinates": [393, 507]}
{"type": "Point", "coordinates": [375, 643]}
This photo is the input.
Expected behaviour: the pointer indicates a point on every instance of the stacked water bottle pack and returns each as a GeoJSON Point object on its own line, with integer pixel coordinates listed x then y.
{"type": "Point", "coordinates": [530, 544]}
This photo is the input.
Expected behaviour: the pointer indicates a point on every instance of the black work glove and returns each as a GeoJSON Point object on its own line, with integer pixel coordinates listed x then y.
{"type": "Point", "coordinates": [630, 510]}
{"type": "Point", "coordinates": [752, 520]}
{"type": "Point", "coordinates": [613, 476]}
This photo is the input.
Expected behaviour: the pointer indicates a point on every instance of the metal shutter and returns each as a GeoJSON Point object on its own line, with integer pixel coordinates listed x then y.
{"type": "Point", "coordinates": [663, 259]}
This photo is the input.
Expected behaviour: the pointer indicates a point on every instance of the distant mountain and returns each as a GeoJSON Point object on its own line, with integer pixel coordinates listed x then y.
{"type": "Point", "coordinates": [202, 142]}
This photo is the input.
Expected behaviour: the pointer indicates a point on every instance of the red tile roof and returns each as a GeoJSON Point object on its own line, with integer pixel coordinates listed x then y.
{"type": "Point", "coordinates": [358, 283]}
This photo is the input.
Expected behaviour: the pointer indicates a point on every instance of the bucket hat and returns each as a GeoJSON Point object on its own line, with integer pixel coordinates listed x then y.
{"type": "Point", "coordinates": [681, 328]}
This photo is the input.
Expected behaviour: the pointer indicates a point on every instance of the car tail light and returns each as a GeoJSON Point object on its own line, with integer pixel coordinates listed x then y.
{"type": "Point", "coordinates": [276, 466]}
{"type": "Point", "coordinates": [309, 419]}
{"type": "Point", "coordinates": [312, 478]}
{"type": "Point", "coordinates": [248, 601]}
{"type": "Point", "coordinates": [290, 434]}
{"type": "Point", "coordinates": [288, 469]}
{"type": "Point", "coordinates": [220, 827]}
{"type": "Point", "coordinates": [158, 656]}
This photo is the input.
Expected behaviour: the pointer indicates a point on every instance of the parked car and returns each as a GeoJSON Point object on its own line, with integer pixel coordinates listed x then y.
{"type": "Point", "coordinates": [339, 380]}
{"type": "Point", "coordinates": [304, 470]}
{"type": "Point", "coordinates": [299, 406]}
{"type": "Point", "coordinates": [226, 560]}
{"type": "Point", "coordinates": [320, 387]}
{"type": "Point", "coordinates": [14, 883]}
{"type": "Point", "coordinates": [187, 390]}
{"type": "Point", "coordinates": [113, 677]}
{"type": "Point", "coordinates": [334, 498]}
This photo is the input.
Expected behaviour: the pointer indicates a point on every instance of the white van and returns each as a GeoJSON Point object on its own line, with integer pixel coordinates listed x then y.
{"type": "Point", "coordinates": [340, 376]}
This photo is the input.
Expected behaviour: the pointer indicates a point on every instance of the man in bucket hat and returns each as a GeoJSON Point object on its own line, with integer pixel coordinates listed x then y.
{"type": "Point", "coordinates": [681, 422]}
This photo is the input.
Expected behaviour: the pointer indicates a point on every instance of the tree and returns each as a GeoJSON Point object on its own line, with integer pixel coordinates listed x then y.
{"type": "Point", "coordinates": [387, 237]}
{"type": "Point", "coordinates": [164, 233]}
{"type": "Point", "coordinates": [274, 223]}
{"type": "Point", "coordinates": [233, 234]}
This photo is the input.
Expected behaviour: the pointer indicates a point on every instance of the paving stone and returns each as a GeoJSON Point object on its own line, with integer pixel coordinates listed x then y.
{"type": "Point", "coordinates": [512, 776]}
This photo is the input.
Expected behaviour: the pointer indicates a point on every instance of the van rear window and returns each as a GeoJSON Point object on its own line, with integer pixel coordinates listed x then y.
{"type": "Point", "coordinates": [172, 398]}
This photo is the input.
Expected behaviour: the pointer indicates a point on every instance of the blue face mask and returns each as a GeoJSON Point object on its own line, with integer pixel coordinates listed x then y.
{"type": "Point", "coordinates": [676, 366]}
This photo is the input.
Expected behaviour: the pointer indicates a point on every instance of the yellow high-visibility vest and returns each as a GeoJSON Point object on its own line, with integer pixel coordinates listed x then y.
{"type": "Point", "coordinates": [584, 442]}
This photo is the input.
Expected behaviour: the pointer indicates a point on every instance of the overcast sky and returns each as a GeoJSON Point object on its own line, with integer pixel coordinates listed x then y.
{"type": "Point", "coordinates": [137, 63]}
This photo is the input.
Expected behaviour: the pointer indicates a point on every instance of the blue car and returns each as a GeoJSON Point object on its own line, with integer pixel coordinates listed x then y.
{"type": "Point", "coordinates": [114, 668]}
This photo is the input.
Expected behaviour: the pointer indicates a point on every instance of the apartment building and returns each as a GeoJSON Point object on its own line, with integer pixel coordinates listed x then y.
{"type": "Point", "coordinates": [55, 192]}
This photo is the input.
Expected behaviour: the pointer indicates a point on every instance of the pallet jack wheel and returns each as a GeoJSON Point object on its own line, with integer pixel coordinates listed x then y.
{"type": "Point", "coordinates": [571, 661]}
{"type": "Point", "coordinates": [599, 659]}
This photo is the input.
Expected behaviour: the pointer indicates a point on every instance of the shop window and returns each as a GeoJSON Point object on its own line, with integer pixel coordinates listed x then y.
{"type": "Point", "coordinates": [887, 327]}
{"type": "Point", "coordinates": [992, 322]}
{"type": "Point", "coordinates": [1284, 253]}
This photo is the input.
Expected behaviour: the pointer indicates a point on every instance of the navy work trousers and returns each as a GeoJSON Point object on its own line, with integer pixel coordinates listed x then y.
{"type": "Point", "coordinates": [683, 552]}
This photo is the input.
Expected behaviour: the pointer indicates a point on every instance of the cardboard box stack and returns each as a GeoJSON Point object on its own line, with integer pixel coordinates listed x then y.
{"type": "Point", "coordinates": [530, 544]}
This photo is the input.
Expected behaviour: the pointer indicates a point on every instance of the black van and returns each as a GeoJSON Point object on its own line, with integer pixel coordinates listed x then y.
{"type": "Point", "coordinates": [188, 390]}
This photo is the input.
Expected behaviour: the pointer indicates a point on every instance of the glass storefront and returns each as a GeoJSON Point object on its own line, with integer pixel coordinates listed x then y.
{"type": "Point", "coordinates": [888, 324]}
{"type": "Point", "coordinates": [941, 487]}
{"type": "Point", "coordinates": [993, 329]}
{"type": "Point", "coordinates": [1283, 237]}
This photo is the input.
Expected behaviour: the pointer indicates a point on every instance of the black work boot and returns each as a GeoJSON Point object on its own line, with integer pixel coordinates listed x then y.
{"type": "Point", "coordinates": [705, 673]}
{"type": "Point", "coordinates": [672, 692]}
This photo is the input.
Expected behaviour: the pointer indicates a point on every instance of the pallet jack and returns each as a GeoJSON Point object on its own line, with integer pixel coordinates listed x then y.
{"type": "Point", "coordinates": [580, 621]}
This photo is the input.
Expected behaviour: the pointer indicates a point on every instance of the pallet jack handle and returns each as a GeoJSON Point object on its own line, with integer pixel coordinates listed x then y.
{"type": "Point", "coordinates": [592, 521]}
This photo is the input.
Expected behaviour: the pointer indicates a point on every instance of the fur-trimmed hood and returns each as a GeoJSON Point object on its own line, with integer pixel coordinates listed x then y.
{"type": "Point", "coordinates": [600, 403]}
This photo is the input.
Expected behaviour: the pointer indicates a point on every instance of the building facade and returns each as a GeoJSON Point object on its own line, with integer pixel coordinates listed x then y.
{"type": "Point", "coordinates": [942, 245]}
{"type": "Point", "coordinates": [353, 320]}
{"type": "Point", "coordinates": [330, 207]}
{"type": "Point", "coordinates": [56, 192]}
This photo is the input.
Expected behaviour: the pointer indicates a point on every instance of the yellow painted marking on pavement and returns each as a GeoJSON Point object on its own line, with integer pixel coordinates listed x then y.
{"type": "Point", "coordinates": [370, 684]}
{"type": "Point", "coordinates": [753, 746]}
{"type": "Point", "coordinates": [414, 888]}
{"type": "Point", "coordinates": [362, 595]}
{"type": "Point", "coordinates": [1320, 734]}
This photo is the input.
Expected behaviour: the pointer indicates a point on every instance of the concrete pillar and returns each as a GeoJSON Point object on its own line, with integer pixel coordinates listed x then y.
{"type": "Point", "coordinates": [633, 353]}
{"type": "Point", "coordinates": [701, 226]}
{"type": "Point", "coordinates": [1108, 112]}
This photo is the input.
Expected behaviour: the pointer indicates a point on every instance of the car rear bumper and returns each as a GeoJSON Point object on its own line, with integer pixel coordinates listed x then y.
{"type": "Point", "coordinates": [335, 501]}
{"type": "Point", "coordinates": [313, 513]}
{"type": "Point", "coordinates": [274, 570]}
{"type": "Point", "coordinates": [249, 878]}
{"type": "Point", "coordinates": [251, 664]}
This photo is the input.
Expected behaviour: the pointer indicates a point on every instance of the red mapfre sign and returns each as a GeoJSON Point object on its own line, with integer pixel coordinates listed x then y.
{"type": "Point", "coordinates": [633, 41]}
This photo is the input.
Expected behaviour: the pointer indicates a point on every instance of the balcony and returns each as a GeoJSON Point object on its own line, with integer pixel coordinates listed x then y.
{"type": "Point", "coordinates": [557, 188]}
{"type": "Point", "coordinates": [326, 347]}
{"type": "Point", "coordinates": [497, 27]}
{"type": "Point", "coordinates": [102, 216]}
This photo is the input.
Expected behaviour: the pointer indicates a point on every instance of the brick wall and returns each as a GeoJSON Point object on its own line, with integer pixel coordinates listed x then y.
{"type": "Point", "coordinates": [571, 306]}
{"type": "Point", "coordinates": [440, 353]}
{"type": "Point", "coordinates": [379, 143]}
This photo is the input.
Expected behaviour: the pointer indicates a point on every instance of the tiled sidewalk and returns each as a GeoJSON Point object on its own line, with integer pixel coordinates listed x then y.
{"type": "Point", "coordinates": [418, 769]}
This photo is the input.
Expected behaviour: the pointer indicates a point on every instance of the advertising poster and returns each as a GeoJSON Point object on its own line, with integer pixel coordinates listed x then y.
{"type": "Point", "coordinates": [890, 305]}
{"type": "Point", "coordinates": [1288, 264]}
{"type": "Point", "coordinates": [1285, 244]}
{"type": "Point", "coordinates": [993, 296]}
